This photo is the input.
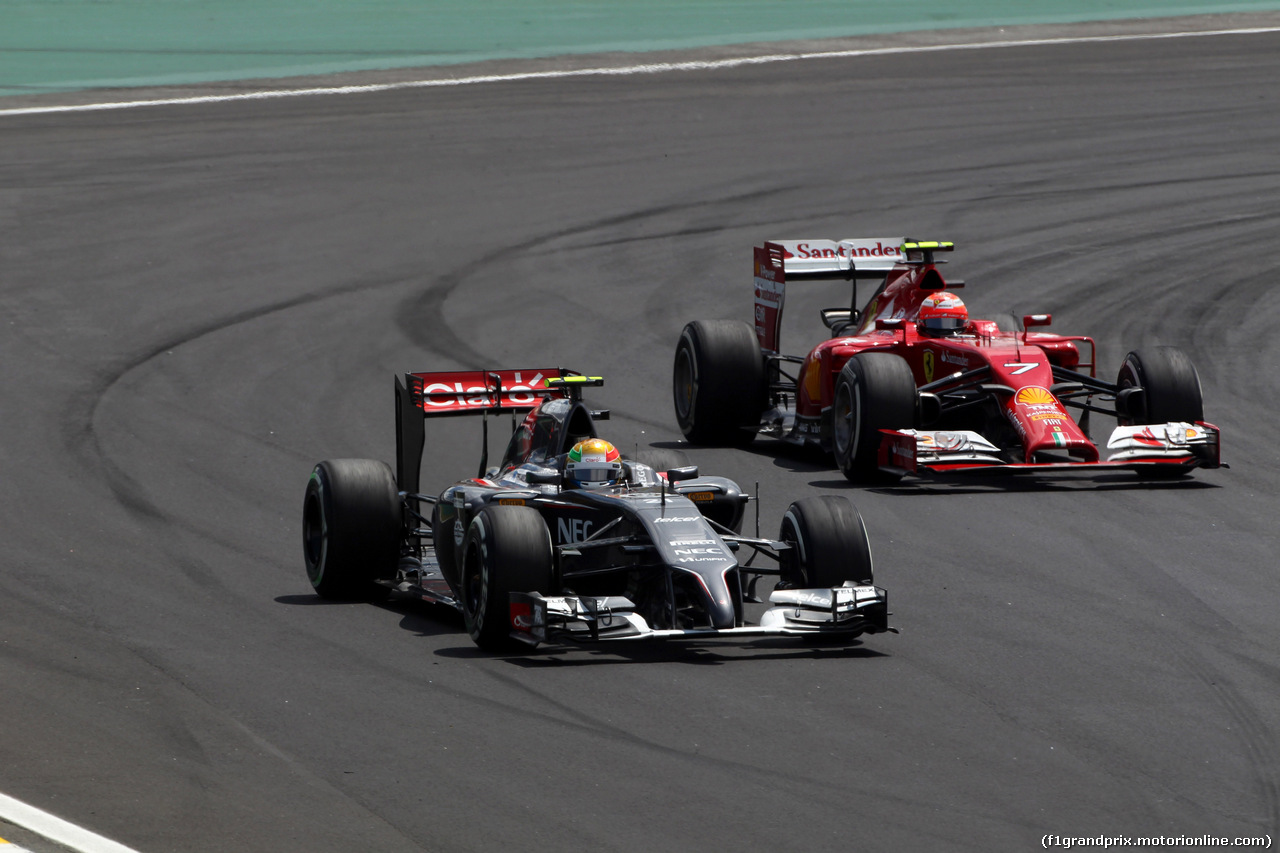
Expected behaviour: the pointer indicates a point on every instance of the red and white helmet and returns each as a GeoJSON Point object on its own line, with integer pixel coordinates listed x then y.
{"type": "Point", "coordinates": [942, 313]}
{"type": "Point", "coordinates": [593, 463]}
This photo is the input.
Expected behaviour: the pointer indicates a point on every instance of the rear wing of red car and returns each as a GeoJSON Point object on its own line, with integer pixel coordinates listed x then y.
{"type": "Point", "coordinates": [469, 392]}
{"type": "Point", "coordinates": [847, 260]}
{"type": "Point", "coordinates": [867, 257]}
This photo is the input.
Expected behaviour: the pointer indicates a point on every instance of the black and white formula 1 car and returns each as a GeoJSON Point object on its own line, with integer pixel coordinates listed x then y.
{"type": "Point", "coordinates": [531, 552]}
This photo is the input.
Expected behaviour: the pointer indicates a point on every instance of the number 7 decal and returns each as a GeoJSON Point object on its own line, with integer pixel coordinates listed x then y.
{"type": "Point", "coordinates": [1023, 366]}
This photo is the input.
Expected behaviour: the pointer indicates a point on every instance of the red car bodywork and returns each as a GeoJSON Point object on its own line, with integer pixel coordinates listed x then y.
{"type": "Point", "coordinates": [988, 397]}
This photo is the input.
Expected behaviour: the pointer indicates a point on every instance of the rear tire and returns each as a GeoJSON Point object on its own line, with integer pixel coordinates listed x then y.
{"type": "Point", "coordinates": [352, 526]}
{"type": "Point", "coordinates": [874, 391]}
{"type": "Point", "coordinates": [1170, 386]}
{"type": "Point", "coordinates": [508, 549]}
{"type": "Point", "coordinates": [718, 383]}
{"type": "Point", "coordinates": [829, 544]}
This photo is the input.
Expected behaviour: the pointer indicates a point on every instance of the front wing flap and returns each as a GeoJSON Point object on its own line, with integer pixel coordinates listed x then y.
{"type": "Point", "coordinates": [1137, 448]}
{"type": "Point", "coordinates": [848, 610]}
{"type": "Point", "coordinates": [1192, 444]}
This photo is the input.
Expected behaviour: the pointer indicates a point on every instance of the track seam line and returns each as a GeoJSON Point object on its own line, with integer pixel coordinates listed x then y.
{"type": "Point", "coordinates": [652, 68]}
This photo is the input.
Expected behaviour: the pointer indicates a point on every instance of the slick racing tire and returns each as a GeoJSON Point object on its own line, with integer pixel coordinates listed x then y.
{"type": "Point", "coordinates": [507, 549]}
{"type": "Point", "coordinates": [874, 391]}
{"type": "Point", "coordinates": [718, 383]}
{"type": "Point", "coordinates": [828, 544]}
{"type": "Point", "coordinates": [352, 525]}
{"type": "Point", "coordinates": [1170, 387]}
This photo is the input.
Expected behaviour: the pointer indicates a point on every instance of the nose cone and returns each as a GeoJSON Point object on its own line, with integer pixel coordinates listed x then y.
{"type": "Point", "coordinates": [1044, 425]}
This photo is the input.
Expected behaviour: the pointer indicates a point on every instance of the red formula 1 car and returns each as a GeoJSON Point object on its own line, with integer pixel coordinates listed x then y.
{"type": "Point", "coordinates": [909, 384]}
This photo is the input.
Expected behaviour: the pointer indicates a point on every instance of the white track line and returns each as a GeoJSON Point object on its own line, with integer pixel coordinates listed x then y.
{"type": "Point", "coordinates": [55, 829]}
{"type": "Point", "coordinates": [655, 68]}
{"type": "Point", "coordinates": [10, 847]}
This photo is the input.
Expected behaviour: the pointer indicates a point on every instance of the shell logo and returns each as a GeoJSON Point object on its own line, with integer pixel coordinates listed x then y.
{"type": "Point", "coordinates": [1034, 395]}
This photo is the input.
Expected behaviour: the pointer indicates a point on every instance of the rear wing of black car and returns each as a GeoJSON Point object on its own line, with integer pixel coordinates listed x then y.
{"type": "Point", "coordinates": [470, 392]}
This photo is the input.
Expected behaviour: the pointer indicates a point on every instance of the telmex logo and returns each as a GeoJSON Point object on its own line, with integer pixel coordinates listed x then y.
{"type": "Point", "coordinates": [477, 395]}
{"type": "Point", "coordinates": [1034, 395]}
{"type": "Point", "coordinates": [804, 250]}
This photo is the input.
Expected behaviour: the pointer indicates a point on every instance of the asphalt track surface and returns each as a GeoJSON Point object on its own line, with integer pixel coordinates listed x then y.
{"type": "Point", "coordinates": [202, 301]}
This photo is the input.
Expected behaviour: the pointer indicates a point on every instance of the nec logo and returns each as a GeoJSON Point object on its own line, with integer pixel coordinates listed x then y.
{"type": "Point", "coordinates": [573, 529]}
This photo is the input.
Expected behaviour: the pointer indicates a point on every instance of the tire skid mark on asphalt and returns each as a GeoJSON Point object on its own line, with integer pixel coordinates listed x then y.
{"type": "Point", "coordinates": [422, 316]}
{"type": "Point", "coordinates": [80, 432]}
{"type": "Point", "coordinates": [1175, 602]}
{"type": "Point", "coordinates": [1255, 735]}
{"type": "Point", "coordinates": [572, 718]}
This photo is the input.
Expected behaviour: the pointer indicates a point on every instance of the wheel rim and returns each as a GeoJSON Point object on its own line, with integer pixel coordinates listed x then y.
{"type": "Point", "coordinates": [793, 566]}
{"type": "Point", "coordinates": [313, 536]}
{"type": "Point", "coordinates": [685, 385]}
{"type": "Point", "coordinates": [473, 593]}
{"type": "Point", "coordinates": [843, 428]}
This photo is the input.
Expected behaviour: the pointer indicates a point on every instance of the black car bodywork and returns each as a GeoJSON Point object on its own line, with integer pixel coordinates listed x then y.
{"type": "Point", "coordinates": [527, 559]}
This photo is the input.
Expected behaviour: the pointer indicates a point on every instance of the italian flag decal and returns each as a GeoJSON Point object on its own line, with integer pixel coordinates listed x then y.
{"type": "Point", "coordinates": [1059, 440]}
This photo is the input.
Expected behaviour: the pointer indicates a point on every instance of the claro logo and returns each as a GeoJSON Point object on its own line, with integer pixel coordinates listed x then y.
{"type": "Point", "coordinates": [517, 393]}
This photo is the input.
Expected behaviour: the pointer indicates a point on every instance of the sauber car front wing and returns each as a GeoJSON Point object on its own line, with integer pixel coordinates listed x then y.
{"type": "Point", "coordinates": [1177, 446]}
{"type": "Point", "coordinates": [848, 611]}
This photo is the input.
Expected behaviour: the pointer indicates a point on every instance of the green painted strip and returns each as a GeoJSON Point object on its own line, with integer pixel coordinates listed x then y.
{"type": "Point", "coordinates": [62, 45]}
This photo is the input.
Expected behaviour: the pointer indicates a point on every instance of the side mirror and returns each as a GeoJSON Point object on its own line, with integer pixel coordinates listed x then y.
{"type": "Point", "coordinates": [544, 478]}
{"type": "Point", "coordinates": [688, 472]}
{"type": "Point", "coordinates": [1029, 320]}
{"type": "Point", "coordinates": [890, 323]}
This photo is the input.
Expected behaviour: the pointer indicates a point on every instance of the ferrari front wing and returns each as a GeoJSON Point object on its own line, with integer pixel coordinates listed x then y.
{"type": "Point", "coordinates": [1144, 447]}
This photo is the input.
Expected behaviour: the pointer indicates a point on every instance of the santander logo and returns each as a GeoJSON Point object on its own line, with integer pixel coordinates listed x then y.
{"type": "Point", "coordinates": [806, 251]}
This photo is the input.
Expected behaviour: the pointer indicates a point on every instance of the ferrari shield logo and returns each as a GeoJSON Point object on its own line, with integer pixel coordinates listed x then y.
{"type": "Point", "coordinates": [928, 365]}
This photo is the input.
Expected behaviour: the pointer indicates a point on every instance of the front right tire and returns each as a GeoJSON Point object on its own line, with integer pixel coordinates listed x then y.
{"type": "Point", "coordinates": [507, 549]}
{"type": "Point", "coordinates": [1170, 386]}
{"type": "Point", "coordinates": [828, 544]}
{"type": "Point", "coordinates": [874, 391]}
